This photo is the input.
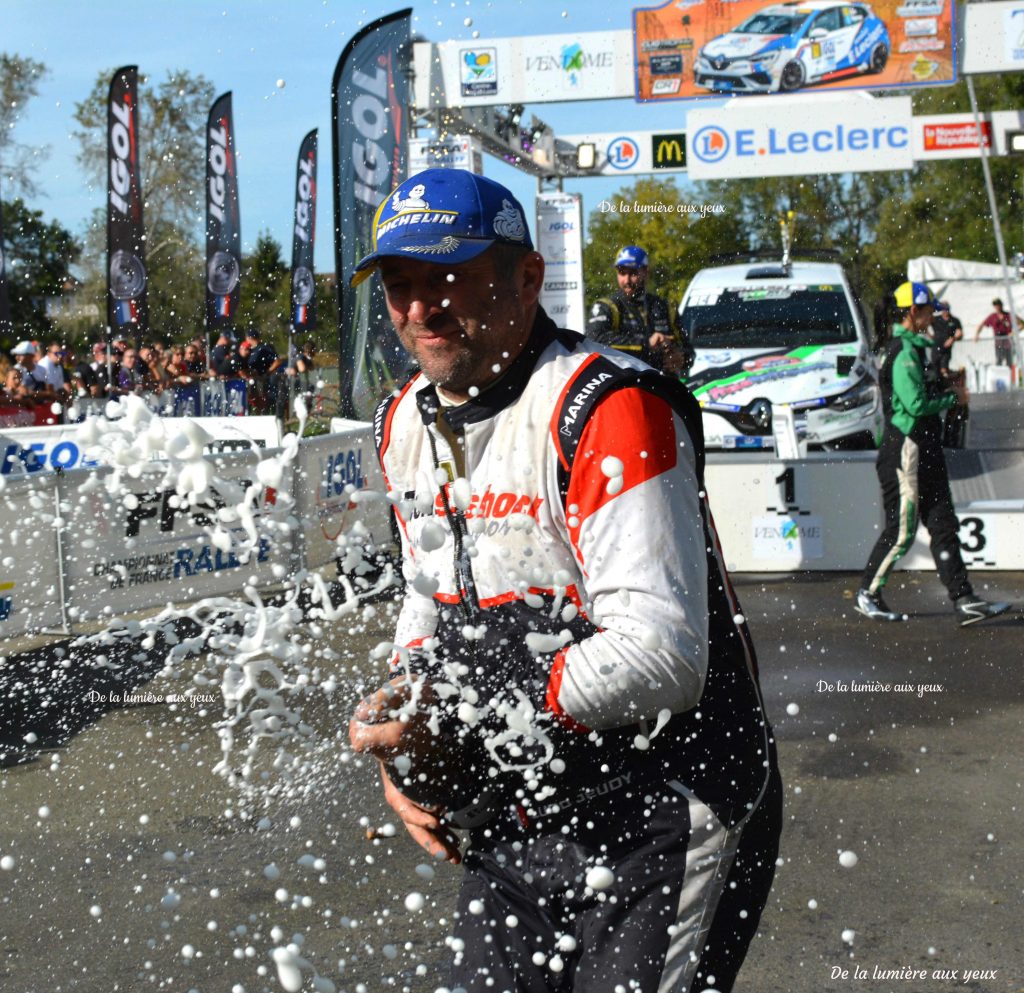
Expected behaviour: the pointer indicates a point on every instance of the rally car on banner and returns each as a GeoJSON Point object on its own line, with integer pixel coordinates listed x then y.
{"type": "Point", "coordinates": [786, 46]}
{"type": "Point", "coordinates": [766, 335]}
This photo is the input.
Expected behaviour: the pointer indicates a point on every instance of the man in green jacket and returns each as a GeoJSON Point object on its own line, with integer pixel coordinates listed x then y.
{"type": "Point", "coordinates": [912, 468]}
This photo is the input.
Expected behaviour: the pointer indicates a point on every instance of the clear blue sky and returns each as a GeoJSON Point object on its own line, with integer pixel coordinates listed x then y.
{"type": "Point", "coordinates": [246, 46]}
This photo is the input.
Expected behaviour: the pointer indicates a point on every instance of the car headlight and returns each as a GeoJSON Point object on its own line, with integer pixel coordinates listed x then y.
{"type": "Point", "coordinates": [768, 59]}
{"type": "Point", "coordinates": [864, 393]}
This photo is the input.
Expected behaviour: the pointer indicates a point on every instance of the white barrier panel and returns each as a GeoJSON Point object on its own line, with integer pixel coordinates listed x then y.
{"type": "Point", "coordinates": [784, 516]}
{"type": "Point", "coordinates": [38, 449]}
{"type": "Point", "coordinates": [138, 548]}
{"type": "Point", "coordinates": [30, 596]}
{"type": "Point", "coordinates": [338, 481]}
{"type": "Point", "coordinates": [824, 513]}
{"type": "Point", "coordinates": [989, 537]}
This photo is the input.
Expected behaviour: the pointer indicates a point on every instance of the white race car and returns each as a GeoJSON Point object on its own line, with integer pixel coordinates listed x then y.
{"type": "Point", "coordinates": [786, 46]}
{"type": "Point", "coordinates": [771, 335]}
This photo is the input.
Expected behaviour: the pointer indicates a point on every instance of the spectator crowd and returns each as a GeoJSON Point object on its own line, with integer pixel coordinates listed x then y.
{"type": "Point", "coordinates": [56, 374]}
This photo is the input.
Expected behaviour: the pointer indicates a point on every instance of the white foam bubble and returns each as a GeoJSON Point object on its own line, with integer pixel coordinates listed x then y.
{"type": "Point", "coordinates": [600, 877]}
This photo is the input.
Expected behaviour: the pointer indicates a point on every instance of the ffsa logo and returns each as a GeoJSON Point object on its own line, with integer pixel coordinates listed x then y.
{"type": "Point", "coordinates": [710, 144]}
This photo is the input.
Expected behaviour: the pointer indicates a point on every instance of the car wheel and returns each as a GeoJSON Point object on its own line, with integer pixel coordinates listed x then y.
{"type": "Point", "coordinates": [792, 77]}
{"type": "Point", "coordinates": [879, 57]}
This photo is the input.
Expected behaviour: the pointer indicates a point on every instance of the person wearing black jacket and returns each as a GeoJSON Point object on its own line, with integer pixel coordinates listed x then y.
{"type": "Point", "coordinates": [638, 322]}
{"type": "Point", "coordinates": [573, 681]}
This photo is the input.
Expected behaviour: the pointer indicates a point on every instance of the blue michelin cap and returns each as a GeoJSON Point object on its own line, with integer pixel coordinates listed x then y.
{"type": "Point", "coordinates": [913, 294]}
{"type": "Point", "coordinates": [444, 215]}
{"type": "Point", "coordinates": [631, 257]}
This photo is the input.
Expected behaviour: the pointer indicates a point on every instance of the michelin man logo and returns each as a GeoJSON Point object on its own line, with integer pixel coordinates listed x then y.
{"type": "Point", "coordinates": [414, 201]}
{"type": "Point", "coordinates": [508, 223]}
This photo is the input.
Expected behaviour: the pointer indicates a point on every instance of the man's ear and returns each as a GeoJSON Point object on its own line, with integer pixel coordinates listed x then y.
{"type": "Point", "coordinates": [531, 278]}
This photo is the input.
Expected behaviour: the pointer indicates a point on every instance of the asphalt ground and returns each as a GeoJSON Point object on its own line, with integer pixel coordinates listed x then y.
{"type": "Point", "coordinates": [128, 864]}
{"type": "Point", "coordinates": [923, 785]}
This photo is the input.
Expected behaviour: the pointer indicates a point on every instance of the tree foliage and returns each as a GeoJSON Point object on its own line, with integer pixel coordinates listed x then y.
{"type": "Point", "coordinates": [39, 256]}
{"type": "Point", "coordinates": [19, 82]}
{"type": "Point", "coordinates": [945, 209]}
{"type": "Point", "coordinates": [172, 168]}
{"type": "Point", "coordinates": [265, 293]}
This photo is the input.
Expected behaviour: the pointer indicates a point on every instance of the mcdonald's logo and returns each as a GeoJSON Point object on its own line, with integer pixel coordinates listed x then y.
{"type": "Point", "coordinates": [668, 151]}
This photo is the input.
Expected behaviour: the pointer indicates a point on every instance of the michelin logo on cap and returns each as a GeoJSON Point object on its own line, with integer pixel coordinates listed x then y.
{"type": "Point", "coordinates": [445, 216]}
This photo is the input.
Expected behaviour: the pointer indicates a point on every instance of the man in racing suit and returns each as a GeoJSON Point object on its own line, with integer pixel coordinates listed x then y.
{"type": "Point", "coordinates": [637, 322]}
{"type": "Point", "coordinates": [912, 468]}
{"type": "Point", "coordinates": [573, 681]}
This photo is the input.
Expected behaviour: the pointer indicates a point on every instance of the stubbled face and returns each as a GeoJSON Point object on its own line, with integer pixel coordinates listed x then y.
{"type": "Point", "coordinates": [463, 324]}
{"type": "Point", "coordinates": [632, 281]}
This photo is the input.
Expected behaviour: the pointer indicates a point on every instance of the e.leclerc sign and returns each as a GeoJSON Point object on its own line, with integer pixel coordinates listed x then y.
{"type": "Point", "coordinates": [766, 136]}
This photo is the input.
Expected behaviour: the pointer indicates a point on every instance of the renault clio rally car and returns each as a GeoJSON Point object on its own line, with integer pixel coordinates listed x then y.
{"type": "Point", "coordinates": [786, 46]}
{"type": "Point", "coordinates": [770, 334]}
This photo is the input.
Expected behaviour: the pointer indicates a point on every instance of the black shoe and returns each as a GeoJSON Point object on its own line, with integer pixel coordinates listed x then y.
{"type": "Point", "coordinates": [872, 605]}
{"type": "Point", "coordinates": [971, 609]}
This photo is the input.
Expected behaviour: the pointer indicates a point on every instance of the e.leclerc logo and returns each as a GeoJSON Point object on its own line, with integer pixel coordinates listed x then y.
{"type": "Point", "coordinates": [710, 144]}
{"type": "Point", "coordinates": [622, 153]}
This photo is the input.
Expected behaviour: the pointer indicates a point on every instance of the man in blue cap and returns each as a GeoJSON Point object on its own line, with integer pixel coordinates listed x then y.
{"type": "Point", "coordinates": [638, 322]}
{"type": "Point", "coordinates": [572, 681]}
{"type": "Point", "coordinates": [912, 468]}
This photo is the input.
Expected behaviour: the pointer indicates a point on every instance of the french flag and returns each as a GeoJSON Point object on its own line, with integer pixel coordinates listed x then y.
{"type": "Point", "coordinates": [223, 306]}
{"type": "Point", "coordinates": [127, 312]}
{"type": "Point", "coordinates": [301, 314]}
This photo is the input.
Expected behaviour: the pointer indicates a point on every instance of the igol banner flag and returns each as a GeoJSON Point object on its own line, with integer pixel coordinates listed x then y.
{"type": "Point", "coordinates": [369, 96]}
{"type": "Point", "coordinates": [127, 310]}
{"type": "Point", "coordinates": [223, 231]}
{"type": "Point", "coordinates": [5, 304]}
{"type": "Point", "coordinates": [303, 234]}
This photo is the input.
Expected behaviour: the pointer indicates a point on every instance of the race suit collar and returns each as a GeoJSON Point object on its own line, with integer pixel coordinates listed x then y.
{"type": "Point", "coordinates": [505, 390]}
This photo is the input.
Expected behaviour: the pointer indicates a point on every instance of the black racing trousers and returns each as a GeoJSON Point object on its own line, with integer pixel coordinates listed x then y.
{"type": "Point", "coordinates": [651, 893]}
{"type": "Point", "coordinates": [915, 488]}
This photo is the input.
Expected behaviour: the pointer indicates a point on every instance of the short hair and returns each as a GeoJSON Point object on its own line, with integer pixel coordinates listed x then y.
{"type": "Point", "coordinates": [997, 302]}
{"type": "Point", "coordinates": [506, 259]}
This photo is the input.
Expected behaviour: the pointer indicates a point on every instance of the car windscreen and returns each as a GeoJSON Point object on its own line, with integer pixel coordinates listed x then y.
{"type": "Point", "coordinates": [765, 23]}
{"type": "Point", "coordinates": [768, 317]}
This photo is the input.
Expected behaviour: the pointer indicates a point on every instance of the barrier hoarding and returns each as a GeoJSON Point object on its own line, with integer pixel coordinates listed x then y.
{"type": "Point", "coordinates": [707, 48]}
{"type": "Point", "coordinates": [823, 513]}
{"type": "Point", "coordinates": [143, 544]}
{"type": "Point", "coordinates": [779, 136]}
{"type": "Point", "coordinates": [338, 481]}
{"type": "Point", "coordinates": [42, 449]}
{"type": "Point", "coordinates": [30, 595]}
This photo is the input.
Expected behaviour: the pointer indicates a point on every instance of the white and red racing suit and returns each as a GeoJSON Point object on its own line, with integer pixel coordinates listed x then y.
{"type": "Point", "coordinates": [564, 580]}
